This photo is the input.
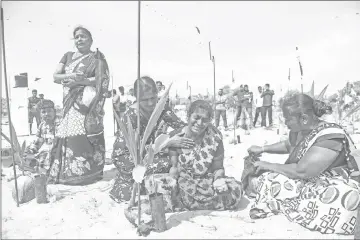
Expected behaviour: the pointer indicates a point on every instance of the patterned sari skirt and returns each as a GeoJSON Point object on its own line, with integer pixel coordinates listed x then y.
{"type": "Point", "coordinates": [327, 203]}
{"type": "Point", "coordinates": [78, 158]}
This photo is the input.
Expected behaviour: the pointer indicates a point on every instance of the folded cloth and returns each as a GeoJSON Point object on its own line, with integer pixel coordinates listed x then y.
{"type": "Point", "coordinates": [249, 172]}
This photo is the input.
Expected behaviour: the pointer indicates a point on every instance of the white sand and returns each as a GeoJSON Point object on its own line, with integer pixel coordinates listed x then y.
{"type": "Point", "coordinates": [89, 212]}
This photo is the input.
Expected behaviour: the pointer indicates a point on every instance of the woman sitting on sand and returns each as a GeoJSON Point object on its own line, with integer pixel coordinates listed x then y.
{"type": "Point", "coordinates": [200, 171]}
{"type": "Point", "coordinates": [314, 187]}
{"type": "Point", "coordinates": [121, 156]}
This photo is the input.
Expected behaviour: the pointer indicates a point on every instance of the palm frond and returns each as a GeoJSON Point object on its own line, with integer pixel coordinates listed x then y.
{"type": "Point", "coordinates": [353, 110]}
{"type": "Point", "coordinates": [321, 95]}
{"type": "Point", "coordinates": [154, 118]}
{"type": "Point", "coordinates": [132, 138]}
{"type": "Point", "coordinates": [129, 143]}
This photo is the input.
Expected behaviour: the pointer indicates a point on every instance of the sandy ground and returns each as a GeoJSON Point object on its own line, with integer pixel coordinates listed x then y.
{"type": "Point", "coordinates": [88, 212]}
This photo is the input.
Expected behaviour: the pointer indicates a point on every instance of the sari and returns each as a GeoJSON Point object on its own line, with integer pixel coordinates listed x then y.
{"type": "Point", "coordinates": [196, 176]}
{"type": "Point", "coordinates": [327, 203]}
{"type": "Point", "coordinates": [79, 147]}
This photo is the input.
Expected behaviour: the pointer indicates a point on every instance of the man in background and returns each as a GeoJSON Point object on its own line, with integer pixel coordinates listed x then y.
{"type": "Point", "coordinates": [33, 111]}
{"type": "Point", "coordinates": [122, 102]}
{"type": "Point", "coordinates": [220, 109]}
{"type": "Point", "coordinates": [246, 109]}
{"type": "Point", "coordinates": [258, 104]}
{"type": "Point", "coordinates": [131, 97]}
{"type": "Point", "coordinates": [239, 95]}
{"type": "Point", "coordinates": [267, 96]}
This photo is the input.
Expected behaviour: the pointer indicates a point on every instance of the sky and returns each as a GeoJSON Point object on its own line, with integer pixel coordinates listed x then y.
{"type": "Point", "coordinates": [256, 40]}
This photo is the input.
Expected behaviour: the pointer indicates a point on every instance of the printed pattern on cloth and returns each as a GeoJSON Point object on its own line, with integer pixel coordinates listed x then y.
{"type": "Point", "coordinates": [72, 124]}
{"type": "Point", "coordinates": [196, 180]}
{"type": "Point", "coordinates": [327, 203]}
{"type": "Point", "coordinates": [78, 155]}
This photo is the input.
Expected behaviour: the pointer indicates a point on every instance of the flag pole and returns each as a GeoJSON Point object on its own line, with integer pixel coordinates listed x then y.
{"type": "Point", "coordinates": [138, 109]}
{"type": "Point", "coordinates": [213, 60]}
{"type": "Point", "coordinates": [8, 105]}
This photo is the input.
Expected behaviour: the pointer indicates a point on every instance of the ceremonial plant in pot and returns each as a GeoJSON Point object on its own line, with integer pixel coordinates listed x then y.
{"type": "Point", "coordinates": [131, 139]}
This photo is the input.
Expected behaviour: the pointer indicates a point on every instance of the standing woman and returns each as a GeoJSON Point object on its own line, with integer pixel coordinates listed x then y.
{"type": "Point", "coordinates": [79, 151]}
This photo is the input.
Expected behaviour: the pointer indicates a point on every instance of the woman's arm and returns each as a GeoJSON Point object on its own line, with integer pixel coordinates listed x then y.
{"type": "Point", "coordinates": [217, 165]}
{"type": "Point", "coordinates": [277, 148]}
{"type": "Point", "coordinates": [313, 163]}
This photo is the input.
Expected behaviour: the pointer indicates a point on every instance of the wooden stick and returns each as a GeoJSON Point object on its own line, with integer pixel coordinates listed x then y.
{"type": "Point", "coordinates": [138, 107]}
{"type": "Point", "coordinates": [8, 104]}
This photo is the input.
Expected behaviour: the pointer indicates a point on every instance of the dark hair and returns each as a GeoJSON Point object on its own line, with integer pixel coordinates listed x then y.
{"type": "Point", "coordinates": [34, 91]}
{"type": "Point", "coordinates": [146, 82]}
{"type": "Point", "coordinates": [200, 104]}
{"type": "Point", "coordinates": [41, 94]}
{"type": "Point", "coordinates": [303, 104]}
{"type": "Point", "coordinates": [246, 85]}
{"type": "Point", "coordinates": [267, 85]}
{"type": "Point", "coordinates": [83, 29]}
{"type": "Point", "coordinates": [114, 91]}
{"type": "Point", "coordinates": [121, 89]}
{"type": "Point", "coordinates": [159, 82]}
{"type": "Point", "coordinates": [260, 87]}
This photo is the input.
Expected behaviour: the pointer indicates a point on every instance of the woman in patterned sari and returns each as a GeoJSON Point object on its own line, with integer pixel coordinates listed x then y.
{"type": "Point", "coordinates": [79, 149]}
{"type": "Point", "coordinates": [123, 185]}
{"type": "Point", "coordinates": [315, 187]}
{"type": "Point", "coordinates": [200, 173]}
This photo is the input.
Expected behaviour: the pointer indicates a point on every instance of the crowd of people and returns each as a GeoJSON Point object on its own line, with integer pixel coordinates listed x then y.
{"type": "Point", "coordinates": [315, 187]}
{"type": "Point", "coordinates": [246, 103]}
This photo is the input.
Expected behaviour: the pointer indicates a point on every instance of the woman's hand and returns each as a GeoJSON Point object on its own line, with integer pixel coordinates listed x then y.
{"type": "Point", "coordinates": [178, 141]}
{"type": "Point", "coordinates": [256, 150]}
{"type": "Point", "coordinates": [220, 185]}
{"type": "Point", "coordinates": [77, 76]}
{"type": "Point", "coordinates": [71, 84]}
{"type": "Point", "coordinates": [261, 166]}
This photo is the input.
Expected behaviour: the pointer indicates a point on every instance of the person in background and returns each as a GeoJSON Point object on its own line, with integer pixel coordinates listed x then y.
{"type": "Point", "coordinates": [220, 109]}
{"type": "Point", "coordinates": [239, 94]}
{"type": "Point", "coordinates": [258, 104]}
{"type": "Point", "coordinates": [267, 96]}
{"type": "Point", "coordinates": [122, 101]}
{"type": "Point", "coordinates": [246, 106]}
{"type": "Point", "coordinates": [349, 96]}
{"type": "Point", "coordinates": [116, 106]}
{"type": "Point", "coordinates": [33, 111]}
{"type": "Point", "coordinates": [160, 88]}
{"type": "Point", "coordinates": [131, 97]}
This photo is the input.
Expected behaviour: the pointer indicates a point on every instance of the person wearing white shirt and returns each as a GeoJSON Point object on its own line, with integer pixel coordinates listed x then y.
{"type": "Point", "coordinates": [220, 109]}
{"type": "Point", "coordinates": [258, 104]}
{"type": "Point", "coordinates": [131, 98]}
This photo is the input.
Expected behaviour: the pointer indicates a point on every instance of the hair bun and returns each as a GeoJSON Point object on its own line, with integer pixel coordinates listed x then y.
{"type": "Point", "coordinates": [321, 108]}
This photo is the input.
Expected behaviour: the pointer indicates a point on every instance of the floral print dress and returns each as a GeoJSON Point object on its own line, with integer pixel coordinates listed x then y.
{"type": "Point", "coordinates": [197, 168]}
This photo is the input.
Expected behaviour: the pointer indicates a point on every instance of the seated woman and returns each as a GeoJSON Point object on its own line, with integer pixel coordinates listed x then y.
{"type": "Point", "coordinates": [314, 187]}
{"type": "Point", "coordinates": [121, 157]}
{"type": "Point", "coordinates": [38, 153]}
{"type": "Point", "coordinates": [200, 171]}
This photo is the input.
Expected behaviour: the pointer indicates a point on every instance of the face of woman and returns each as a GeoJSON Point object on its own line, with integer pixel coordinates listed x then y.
{"type": "Point", "coordinates": [199, 121]}
{"type": "Point", "coordinates": [148, 102]}
{"type": "Point", "coordinates": [292, 122]}
{"type": "Point", "coordinates": [82, 40]}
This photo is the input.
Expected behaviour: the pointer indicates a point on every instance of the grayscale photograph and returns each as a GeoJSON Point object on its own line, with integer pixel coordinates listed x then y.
{"type": "Point", "coordinates": [180, 119]}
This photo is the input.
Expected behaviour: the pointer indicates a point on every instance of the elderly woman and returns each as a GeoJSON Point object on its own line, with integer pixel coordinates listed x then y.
{"type": "Point", "coordinates": [200, 171]}
{"type": "Point", "coordinates": [79, 151]}
{"type": "Point", "coordinates": [314, 187]}
{"type": "Point", "coordinates": [122, 159]}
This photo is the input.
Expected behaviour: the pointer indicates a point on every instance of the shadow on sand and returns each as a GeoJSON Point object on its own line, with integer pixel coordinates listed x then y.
{"type": "Point", "coordinates": [177, 218]}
